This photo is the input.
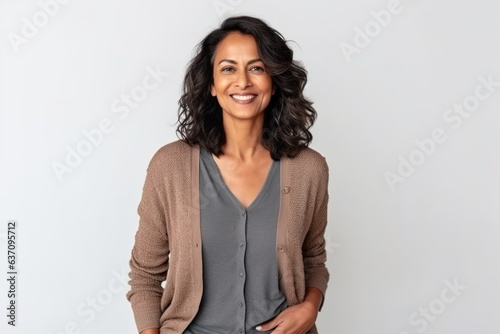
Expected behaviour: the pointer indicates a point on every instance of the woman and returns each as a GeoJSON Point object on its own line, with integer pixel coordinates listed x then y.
{"type": "Point", "coordinates": [233, 215]}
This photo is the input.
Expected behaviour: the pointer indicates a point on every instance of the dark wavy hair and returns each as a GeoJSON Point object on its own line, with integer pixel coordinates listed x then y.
{"type": "Point", "coordinates": [288, 116]}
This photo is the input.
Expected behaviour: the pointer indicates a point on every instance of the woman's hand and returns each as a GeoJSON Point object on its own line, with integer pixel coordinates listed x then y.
{"type": "Point", "coordinates": [297, 319]}
{"type": "Point", "coordinates": [150, 331]}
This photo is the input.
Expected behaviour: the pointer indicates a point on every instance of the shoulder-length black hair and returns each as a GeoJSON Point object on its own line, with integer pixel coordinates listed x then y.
{"type": "Point", "coordinates": [288, 116]}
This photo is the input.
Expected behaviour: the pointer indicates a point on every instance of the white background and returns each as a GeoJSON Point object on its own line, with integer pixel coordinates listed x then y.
{"type": "Point", "coordinates": [391, 250]}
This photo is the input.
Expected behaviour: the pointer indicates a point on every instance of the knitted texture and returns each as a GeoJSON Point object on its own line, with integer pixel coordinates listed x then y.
{"type": "Point", "coordinates": [168, 241]}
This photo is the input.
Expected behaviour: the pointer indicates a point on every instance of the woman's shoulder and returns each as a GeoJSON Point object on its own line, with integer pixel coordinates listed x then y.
{"type": "Point", "coordinates": [309, 158]}
{"type": "Point", "coordinates": [308, 167]}
{"type": "Point", "coordinates": [176, 147]}
{"type": "Point", "coordinates": [309, 153]}
{"type": "Point", "coordinates": [171, 155]}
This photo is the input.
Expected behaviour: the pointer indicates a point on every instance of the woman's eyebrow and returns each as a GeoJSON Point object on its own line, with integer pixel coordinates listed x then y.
{"type": "Point", "coordinates": [235, 62]}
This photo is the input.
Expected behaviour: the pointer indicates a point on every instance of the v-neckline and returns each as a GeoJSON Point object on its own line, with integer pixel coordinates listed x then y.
{"type": "Point", "coordinates": [261, 192]}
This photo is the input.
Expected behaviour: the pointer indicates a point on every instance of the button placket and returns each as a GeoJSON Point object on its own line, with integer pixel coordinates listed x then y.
{"type": "Point", "coordinates": [242, 270]}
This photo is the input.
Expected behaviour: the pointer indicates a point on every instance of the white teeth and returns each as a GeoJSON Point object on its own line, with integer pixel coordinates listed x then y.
{"type": "Point", "coordinates": [243, 97]}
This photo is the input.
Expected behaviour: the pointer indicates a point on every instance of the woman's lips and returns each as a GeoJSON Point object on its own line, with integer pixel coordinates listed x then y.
{"type": "Point", "coordinates": [243, 98]}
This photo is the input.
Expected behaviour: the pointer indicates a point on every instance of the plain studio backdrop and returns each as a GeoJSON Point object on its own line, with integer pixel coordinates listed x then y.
{"type": "Point", "coordinates": [407, 94]}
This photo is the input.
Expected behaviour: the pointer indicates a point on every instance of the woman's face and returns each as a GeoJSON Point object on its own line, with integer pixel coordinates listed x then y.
{"type": "Point", "coordinates": [241, 84]}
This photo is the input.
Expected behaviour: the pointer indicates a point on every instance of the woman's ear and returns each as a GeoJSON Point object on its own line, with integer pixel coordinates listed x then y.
{"type": "Point", "coordinates": [212, 90]}
{"type": "Point", "coordinates": [274, 90]}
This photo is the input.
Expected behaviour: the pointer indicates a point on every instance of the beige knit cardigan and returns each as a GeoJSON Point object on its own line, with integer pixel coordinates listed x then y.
{"type": "Point", "coordinates": [168, 240]}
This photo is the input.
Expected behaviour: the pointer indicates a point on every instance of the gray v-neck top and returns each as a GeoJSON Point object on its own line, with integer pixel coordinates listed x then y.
{"type": "Point", "coordinates": [240, 270]}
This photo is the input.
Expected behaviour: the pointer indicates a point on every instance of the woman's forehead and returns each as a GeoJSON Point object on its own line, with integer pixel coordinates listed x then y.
{"type": "Point", "coordinates": [236, 44]}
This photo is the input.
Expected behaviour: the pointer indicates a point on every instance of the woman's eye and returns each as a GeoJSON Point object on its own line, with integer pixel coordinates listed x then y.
{"type": "Point", "coordinates": [227, 69]}
{"type": "Point", "coordinates": [257, 69]}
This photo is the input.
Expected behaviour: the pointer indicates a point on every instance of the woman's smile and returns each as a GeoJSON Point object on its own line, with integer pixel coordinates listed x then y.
{"type": "Point", "coordinates": [244, 99]}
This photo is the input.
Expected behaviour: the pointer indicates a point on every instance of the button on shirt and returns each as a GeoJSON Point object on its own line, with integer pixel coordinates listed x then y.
{"type": "Point", "coordinates": [240, 271]}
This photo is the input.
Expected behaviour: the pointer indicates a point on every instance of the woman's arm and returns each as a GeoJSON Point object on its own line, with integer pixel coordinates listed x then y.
{"type": "Point", "coordinates": [314, 247]}
{"type": "Point", "coordinates": [314, 296]}
{"type": "Point", "coordinates": [149, 258]}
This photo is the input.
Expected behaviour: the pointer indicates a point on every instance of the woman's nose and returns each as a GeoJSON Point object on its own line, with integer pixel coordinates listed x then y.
{"type": "Point", "coordinates": [243, 80]}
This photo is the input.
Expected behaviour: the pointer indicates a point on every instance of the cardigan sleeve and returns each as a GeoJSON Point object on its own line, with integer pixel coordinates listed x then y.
{"type": "Point", "coordinates": [149, 258]}
{"type": "Point", "coordinates": [313, 250]}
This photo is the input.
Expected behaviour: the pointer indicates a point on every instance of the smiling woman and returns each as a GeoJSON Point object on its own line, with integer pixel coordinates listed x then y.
{"type": "Point", "coordinates": [289, 114]}
{"type": "Point", "coordinates": [241, 84]}
{"type": "Point", "coordinates": [233, 215]}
